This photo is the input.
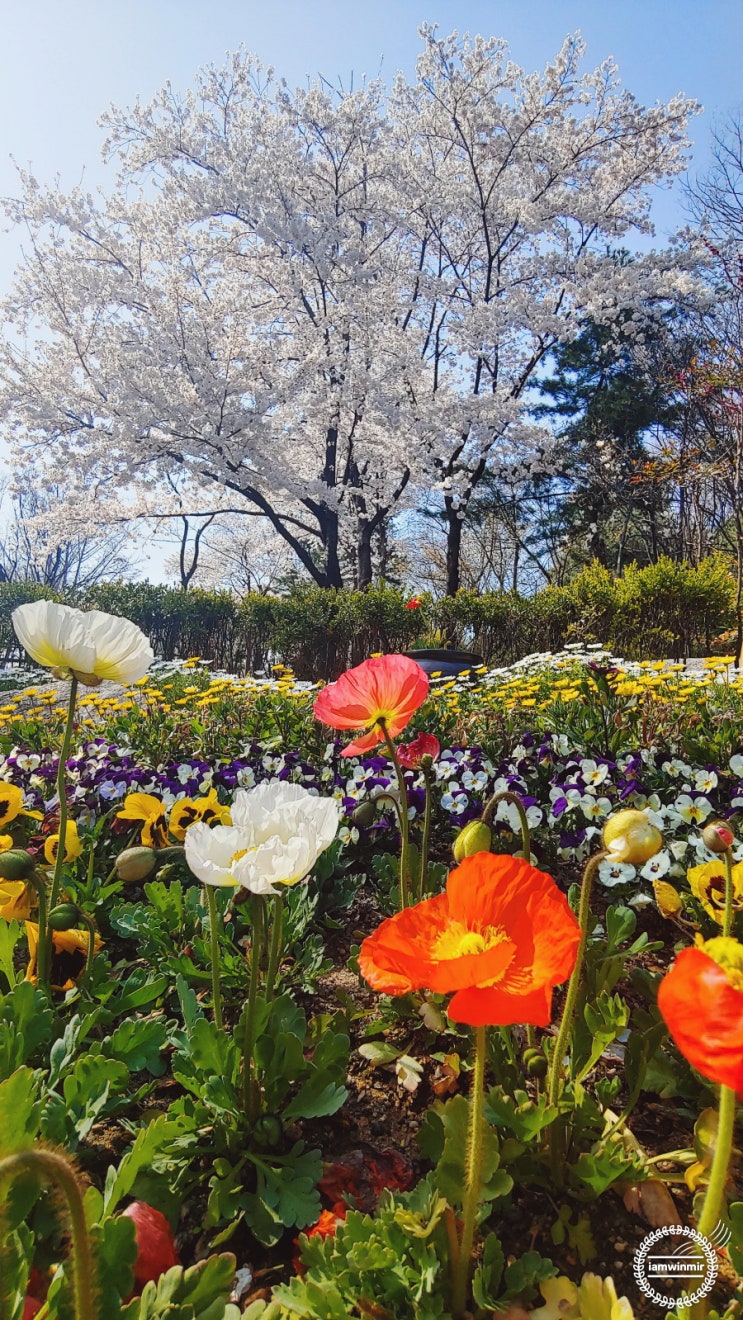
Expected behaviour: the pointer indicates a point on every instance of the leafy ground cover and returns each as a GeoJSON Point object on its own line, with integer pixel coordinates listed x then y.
{"type": "Point", "coordinates": [222, 1055]}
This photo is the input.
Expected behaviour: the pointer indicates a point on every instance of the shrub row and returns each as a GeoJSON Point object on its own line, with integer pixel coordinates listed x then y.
{"type": "Point", "coordinates": [667, 609]}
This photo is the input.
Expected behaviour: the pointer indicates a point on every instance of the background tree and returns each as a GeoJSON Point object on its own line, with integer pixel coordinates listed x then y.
{"type": "Point", "coordinates": [332, 304]}
{"type": "Point", "coordinates": [28, 553]}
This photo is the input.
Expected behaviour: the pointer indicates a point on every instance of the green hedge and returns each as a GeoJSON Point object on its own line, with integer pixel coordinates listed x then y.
{"type": "Point", "coordinates": [668, 609]}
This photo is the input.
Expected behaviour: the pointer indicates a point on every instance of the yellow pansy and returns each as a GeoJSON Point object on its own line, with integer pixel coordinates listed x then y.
{"type": "Point", "coordinates": [187, 810]}
{"type": "Point", "coordinates": [11, 804]}
{"type": "Point", "coordinates": [16, 899]}
{"type": "Point", "coordinates": [707, 884]}
{"type": "Point", "coordinates": [72, 845]}
{"type": "Point", "coordinates": [64, 942]}
{"type": "Point", "coordinates": [151, 811]}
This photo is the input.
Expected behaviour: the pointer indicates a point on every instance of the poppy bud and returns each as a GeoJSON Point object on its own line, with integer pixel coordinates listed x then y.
{"type": "Point", "coordinates": [268, 1131]}
{"type": "Point", "coordinates": [135, 864]}
{"type": "Point", "coordinates": [16, 864]}
{"type": "Point", "coordinates": [718, 836]}
{"type": "Point", "coordinates": [474, 838]}
{"type": "Point", "coordinates": [535, 1063]}
{"type": "Point", "coordinates": [156, 1251]}
{"type": "Point", "coordinates": [64, 917]}
{"type": "Point", "coordinates": [628, 836]}
{"type": "Point", "coordinates": [364, 813]}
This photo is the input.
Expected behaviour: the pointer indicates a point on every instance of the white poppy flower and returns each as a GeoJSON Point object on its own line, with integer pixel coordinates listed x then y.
{"type": "Point", "coordinates": [212, 852]}
{"type": "Point", "coordinates": [91, 646]}
{"type": "Point", "coordinates": [278, 832]}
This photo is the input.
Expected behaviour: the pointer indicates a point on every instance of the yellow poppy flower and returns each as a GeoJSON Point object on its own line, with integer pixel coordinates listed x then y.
{"type": "Point", "coordinates": [151, 811]}
{"type": "Point", "coordinates": [187, 810]}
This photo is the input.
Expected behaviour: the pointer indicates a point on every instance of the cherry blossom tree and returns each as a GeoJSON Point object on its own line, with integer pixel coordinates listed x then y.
{"type": "Point", "coordinates": [331, 304]}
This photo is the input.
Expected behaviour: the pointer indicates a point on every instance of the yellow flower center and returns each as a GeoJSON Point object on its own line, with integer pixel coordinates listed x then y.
{"type": "Point", "coordinates": [728, 954]}
{"type": "Point", "coordinates": [458, 940]}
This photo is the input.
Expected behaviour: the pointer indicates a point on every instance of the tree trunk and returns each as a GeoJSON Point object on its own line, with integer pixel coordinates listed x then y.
{"type": "Point", "coordinates": [453, 548]}
{"type": "Point", "coordinates": [364, 556]}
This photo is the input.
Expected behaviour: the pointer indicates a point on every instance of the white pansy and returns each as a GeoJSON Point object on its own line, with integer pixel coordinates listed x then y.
{"type": "Point", "coordinates": [736, 764]}
{"type": "Point", "coordinates": [692, 810]}
{"type": "Point", "coordinates": [91, 645]}
{"type": "Point", "coordinates": [508, 813]}
{"type": "Point", "coordinates": [679, 848]}
{"type": "Point", "coordinates": [593, 774]}
{"type": "Point", "coordinates": [705, 781]}
{"type": "Point", "coordinates": [615, 873]}
{"type": "Point", "coordinates": [657, 866]}
{"type": "Point", "coordinates": [594, 808]}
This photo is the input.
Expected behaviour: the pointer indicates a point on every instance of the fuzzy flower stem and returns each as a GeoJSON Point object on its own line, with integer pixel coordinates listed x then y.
{"type": "Point", "coordinates": [43, 950]}
{"type": "Point", "coordinates": [715, 1195]}
{"type": "Point", "coordinates": [462, 1267]}
{"type": "Point", "coordinates": [53, 1167]}
{"type": "Point", "coordinates": [426, 836]}
{"type": "Point", "coordinates": [404, 824]}
{"type": "Point", "coordinates": [727, 924]}
{"type": "Point", "coordinates": [62, 795]}
{"type": "Point", "coordinates": [275, 947]}
{"type": "Point", "coordinates": [491, 807]}
{"type": "Point", "coordinates": [250, 1097]}
{"type": "Point", "coordinates": [211, 903]}
{"type": "Point", "coordinates": [571, 998]}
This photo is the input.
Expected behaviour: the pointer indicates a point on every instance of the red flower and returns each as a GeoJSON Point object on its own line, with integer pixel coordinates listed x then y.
{"type": "Point", "coordinates": [414, 603]}
{"type": "Point", "coordinates": [410, 754]}
{"type": "Point", "coordinates": [387, 687]}
{"type": "Point", "coordinates": [31, 1307]}
{"type": "Point", "coordinates": [701, 999]}
{"type": "Point", "coordinates": [156, 1251]}
{"type": "Point", "coordinates": [501, 937]}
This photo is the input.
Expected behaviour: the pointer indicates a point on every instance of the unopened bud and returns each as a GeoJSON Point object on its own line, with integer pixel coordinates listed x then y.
{"type": "Point", "coordinates": [535, 1063]}
{"type": "Point", "coordinates": [474, 838]}
{"type": "Point", "coordinates": [16, 864]}
{"type": "Point", "coordinates": [268, 1131]}
{"type": "Point", "coordinates": [64, 917]}
{"type": "Point", "coordinates": [718, 836]}
{"type": "Point", "coordinates": [629, 836]}
{"type": "Point", "coordinates": [364, 814]}
{"type": "Point", "coordinates": [135, 864]}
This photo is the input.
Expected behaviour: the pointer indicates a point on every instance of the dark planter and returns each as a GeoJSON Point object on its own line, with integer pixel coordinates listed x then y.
{"type": "Point", "coordinates": [445, 662]}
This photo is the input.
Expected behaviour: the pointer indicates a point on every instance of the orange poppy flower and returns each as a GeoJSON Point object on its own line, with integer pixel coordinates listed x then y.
{"type": "Point", "coordinates": [501, 937]}
{"type": "Point", "coordinates": [701, 999]}
{"type": "Point", "coordinates": [386, 687]}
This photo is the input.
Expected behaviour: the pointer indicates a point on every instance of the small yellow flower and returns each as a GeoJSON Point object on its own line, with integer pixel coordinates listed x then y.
{"type": "Point", "coordinates": [73, 845]}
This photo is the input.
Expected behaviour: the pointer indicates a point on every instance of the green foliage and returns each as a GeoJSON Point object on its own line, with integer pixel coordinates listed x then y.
{"type": "Point", "coordinates": [665, 608]}
{"type": "Point", "coordinates": [199, 1293]}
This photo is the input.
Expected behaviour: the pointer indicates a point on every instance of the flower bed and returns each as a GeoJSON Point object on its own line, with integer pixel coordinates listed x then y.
{"type": "Point", "coordinates": [237, 1055]}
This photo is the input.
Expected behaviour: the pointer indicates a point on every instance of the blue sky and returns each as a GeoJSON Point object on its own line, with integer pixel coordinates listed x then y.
{"type": "Point", "coordinates": [64, 61]}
